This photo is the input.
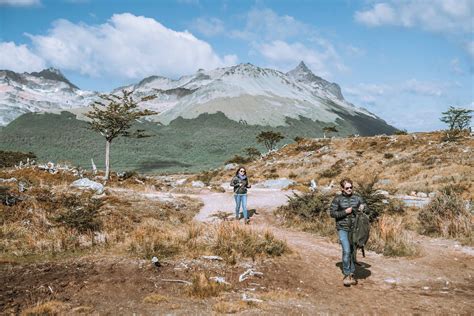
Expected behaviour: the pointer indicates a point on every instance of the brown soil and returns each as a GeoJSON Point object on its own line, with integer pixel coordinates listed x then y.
{"type": "Point", "coordinates": [308, 281]}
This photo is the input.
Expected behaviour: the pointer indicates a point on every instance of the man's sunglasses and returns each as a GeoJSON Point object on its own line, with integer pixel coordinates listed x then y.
{"type": "Point", "coordinates": [347, 188]}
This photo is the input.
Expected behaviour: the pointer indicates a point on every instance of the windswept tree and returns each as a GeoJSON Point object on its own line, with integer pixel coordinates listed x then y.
{"type": "Point", "coordinates": [329, 129]}
{"type": "Point", "coordinates": [457, 118]}
{"type": "Point", "coordinates": [269, 139]}
{"type": "Point", "coordinates": [113, 116]}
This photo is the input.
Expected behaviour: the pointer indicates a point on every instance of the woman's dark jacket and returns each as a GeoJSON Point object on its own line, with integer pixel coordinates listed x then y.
{"type": "Point", "coordinates": [240, 185]}
{"type": "Point", "coordinates": [340, 204]}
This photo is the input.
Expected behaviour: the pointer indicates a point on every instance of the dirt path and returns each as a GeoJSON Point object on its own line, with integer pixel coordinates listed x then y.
{"type": "Point", "coordinates": [439, 281]}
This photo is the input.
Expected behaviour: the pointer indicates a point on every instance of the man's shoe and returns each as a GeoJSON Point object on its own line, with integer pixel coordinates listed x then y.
{"type": "Point", "coordinates": [347, 280]}
{"type": "Point", "coordinates": [352, 279]}
{"type": "Point", "coordinates": [247, 221]}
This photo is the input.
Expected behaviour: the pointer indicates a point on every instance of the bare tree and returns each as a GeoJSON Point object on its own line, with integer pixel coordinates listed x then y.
{"type": "Point", "coordinates": [113, 116]}
{"type": "Point", "coordinates": [269, 139]}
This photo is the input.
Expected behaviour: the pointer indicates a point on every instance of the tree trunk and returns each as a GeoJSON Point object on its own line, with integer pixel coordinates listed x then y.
{"type": "Point", "coordinates": [107, 159]}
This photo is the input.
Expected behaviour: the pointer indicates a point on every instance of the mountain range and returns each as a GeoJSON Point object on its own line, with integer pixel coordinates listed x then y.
{"type": "Point", "coordinates": [244, 93]}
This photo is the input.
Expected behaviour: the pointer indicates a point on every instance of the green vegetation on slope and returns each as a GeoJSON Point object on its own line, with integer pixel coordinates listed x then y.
{"type": "Point", "coordinates": [185, 145]}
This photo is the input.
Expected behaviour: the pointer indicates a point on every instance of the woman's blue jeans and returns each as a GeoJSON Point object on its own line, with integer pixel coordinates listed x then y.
{"type": "Point", "coordinates": [348, 266]}
{"type": "Point", "coordinates": [241, 199]}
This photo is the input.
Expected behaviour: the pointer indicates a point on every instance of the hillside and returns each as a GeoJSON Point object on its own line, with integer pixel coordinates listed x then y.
{"type": "Point", "coordinates": [91, 253]}
{"type": "Point", "coordinates": [184, 145]}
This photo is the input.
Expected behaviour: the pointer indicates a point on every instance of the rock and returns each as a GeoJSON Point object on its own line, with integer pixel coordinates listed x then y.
{"type": "Point", "coordinates": [431, 194]}
{"type": "Point", "coordinates": [198, 184]}
{"type": "Point", "coordinates": [22, 186]}
{"type": "Point", "coordinates": [383, 192]}
{"type": "Point", "coordinates": [281, 183]}
{"type": "Point", "coordinates": [11, 180]}
{"type": "Point", "coordinates": [85, 183]}
{"type": "Point", "coordinates": [155, 262]}
{"type": "Point", "coordinates": [181, 181]}
{"type": "Point", "coordinates": [384, 181]}
{"type": "Point", "coordinates": [409, 200]}
{"type": "Point", "coordinates": [212, 258]}
{"type": "Point", "coordinates": [313, 186]}
{"type": "Point", "coordinates": [422, 195]}
{"type": "Point", "coordinates": [413, 193]}
{"type": "Point", "coordinates": [390, 281]}
{"type": "Point", "coordinates": [230, 166]}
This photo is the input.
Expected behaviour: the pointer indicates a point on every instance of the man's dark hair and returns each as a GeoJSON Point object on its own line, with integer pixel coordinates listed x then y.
{"type": "Point", "coordinates": [344, 181]}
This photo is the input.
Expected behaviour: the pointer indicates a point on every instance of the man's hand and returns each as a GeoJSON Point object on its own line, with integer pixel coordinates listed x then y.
{"type": "Point", "coordinates": [348, 210]}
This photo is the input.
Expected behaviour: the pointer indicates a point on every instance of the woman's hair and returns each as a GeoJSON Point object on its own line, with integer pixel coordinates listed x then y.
{"type": "Point", "coordinates": [238, 169]}
{"type": "Point", "coordinates": [344, 181]}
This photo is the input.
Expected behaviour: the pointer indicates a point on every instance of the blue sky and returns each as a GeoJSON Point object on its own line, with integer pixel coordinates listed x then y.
{"type": "Point", "coordinates": [406, 61]}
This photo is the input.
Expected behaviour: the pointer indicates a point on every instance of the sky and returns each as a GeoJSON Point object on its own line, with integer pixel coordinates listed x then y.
{"type": "Point", "coordinates": [405, 61]}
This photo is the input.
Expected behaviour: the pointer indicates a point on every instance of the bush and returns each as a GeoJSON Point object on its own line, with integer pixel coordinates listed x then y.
{"type": "Point", "coordinates": [334, 170]}
{"type": "Point", "coordinates": [238, 160]}
{"type": "Point", "coordinates": [376, 202]}
{"type": "Point", "coordinates": [389, 237]}
{"type": "Point", "coordinates": [79, 215]}
{"type": "Point", "coordinates": [308, 212]}
{"type": "Point", "coordinates": [207, 176]}
{"type": "Point", "coordinates": [231, 240]}
{"type": "Point", "coordinates": [401, 132]}
{"type": "Point", "coordinates": [203, 287]}
{"type": "Point", "coordinates": [11, 158]}
{"type": "Point", "coordinates": [448, 216]}
{"type": "Point", "coordinates": [388, 155]}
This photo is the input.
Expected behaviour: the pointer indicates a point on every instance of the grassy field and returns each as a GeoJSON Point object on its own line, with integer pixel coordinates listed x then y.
{"type": "Point", "coordinates": [185, 145]}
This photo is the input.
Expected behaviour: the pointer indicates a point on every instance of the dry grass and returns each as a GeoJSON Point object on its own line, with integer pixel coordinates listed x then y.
{"type": "Point", "coordinates": [203, 287]}
{"type": "Point", "coordinates": [223, 307]}
{"type": "Point", "coordinates": [389, 237]}
{"type": "Point", "coordinates": [155, 299]}
{"type": "Point", "coordinates": [232, 240]}
{"type": "Point", "coordinates": [46, 309]}
{"type": "Point", "coordinates": [53, 219]}
{"type": "Point", "coordinates": [448, 216]}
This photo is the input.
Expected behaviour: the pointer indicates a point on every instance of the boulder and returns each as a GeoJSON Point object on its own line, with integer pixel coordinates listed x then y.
{"type": "Point", "coordinates": [421, 194]}
{"type": "Point", "coordinates": [198, 184]}
{"type": "Point", "coordinates": [230, 166]}
{"type": "Point", "coordinates": [180, 182]}
{"type": "Point", "coordinates": [282, 183]}
{"type": "Point", "coordinates": [87, 184]}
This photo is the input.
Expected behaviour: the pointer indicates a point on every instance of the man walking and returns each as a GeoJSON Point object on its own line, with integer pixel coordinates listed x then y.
{"type": "Point", "coordinates": [343, 209]}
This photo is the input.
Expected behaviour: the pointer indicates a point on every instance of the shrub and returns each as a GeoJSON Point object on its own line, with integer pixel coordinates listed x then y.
{"type": "Point", "coordinates": [376, 202]}
{"type": "Point", "coordinates": [203, 287]}
{"type": "Point", "coordinates": [238, 160]}
{"type": "Point", "coordinates": [11, 158]}
{"type": "Point", "coordinates": [448, 216]}
{"type": "Point", "coordinates": [389, 237]}
{"type": "Point", "coordinates": [48, 308]}
{"type": "Point", "coordinates": [231, 240]}
{"type": "Point", "coordinates": [388, 155]}
{"type": "Point", "coordinates": [79, 214]}
{"type": "Point", "coordinates": [334, 170]}
{"type": "Point", "coordinates": [308, 212]}
{"type": "Point", "coordinates": [207, 176]}
{"type": "Point", "coordinates": [252, 153]}
{"type": "Point", "coordinates": [401, 132]}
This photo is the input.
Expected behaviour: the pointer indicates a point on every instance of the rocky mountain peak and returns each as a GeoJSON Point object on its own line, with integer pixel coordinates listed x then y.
{"type": "Point", "coordinates": [53, 74]}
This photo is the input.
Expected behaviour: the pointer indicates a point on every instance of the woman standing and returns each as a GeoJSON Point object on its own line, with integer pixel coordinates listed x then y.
{"type": "Point", "coordinates": [240, 183]}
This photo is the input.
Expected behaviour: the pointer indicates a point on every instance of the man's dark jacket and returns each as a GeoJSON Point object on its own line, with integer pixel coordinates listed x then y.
{"type": "Point", "coordinates": [338, 206]}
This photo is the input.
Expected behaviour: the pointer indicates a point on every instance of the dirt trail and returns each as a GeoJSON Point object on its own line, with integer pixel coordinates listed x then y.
{"type": "Point", "coordinates": [306, 282]}
{"type": "Point", "coordinates": [439, 281]}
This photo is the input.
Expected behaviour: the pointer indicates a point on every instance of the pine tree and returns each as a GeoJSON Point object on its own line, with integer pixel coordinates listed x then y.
{"type": "Point", "coordinates": [269, 139]}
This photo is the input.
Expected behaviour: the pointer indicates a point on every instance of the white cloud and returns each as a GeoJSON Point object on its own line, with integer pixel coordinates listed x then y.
{"type": "Point", "coordinates": [444, 16]}
{"type": "Point", "coordinates": [424, 88]}
{"type": "Point", "coordinates": [289, 55]}
{"type": "Point", "coordinates": [208, 26]}
{"type": "Point", "coordinates": [367, 92]}
{"type": "Point", "coordinates": [127, 46]}
{"type": "Point", "coordinates": [455, 66]}
{"type": "Point", "coordinates": [20, 3]}
{"type": "Point", "coordinates": [19, 58]}
{"type": "Point", "coordinates": [267, 25]}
